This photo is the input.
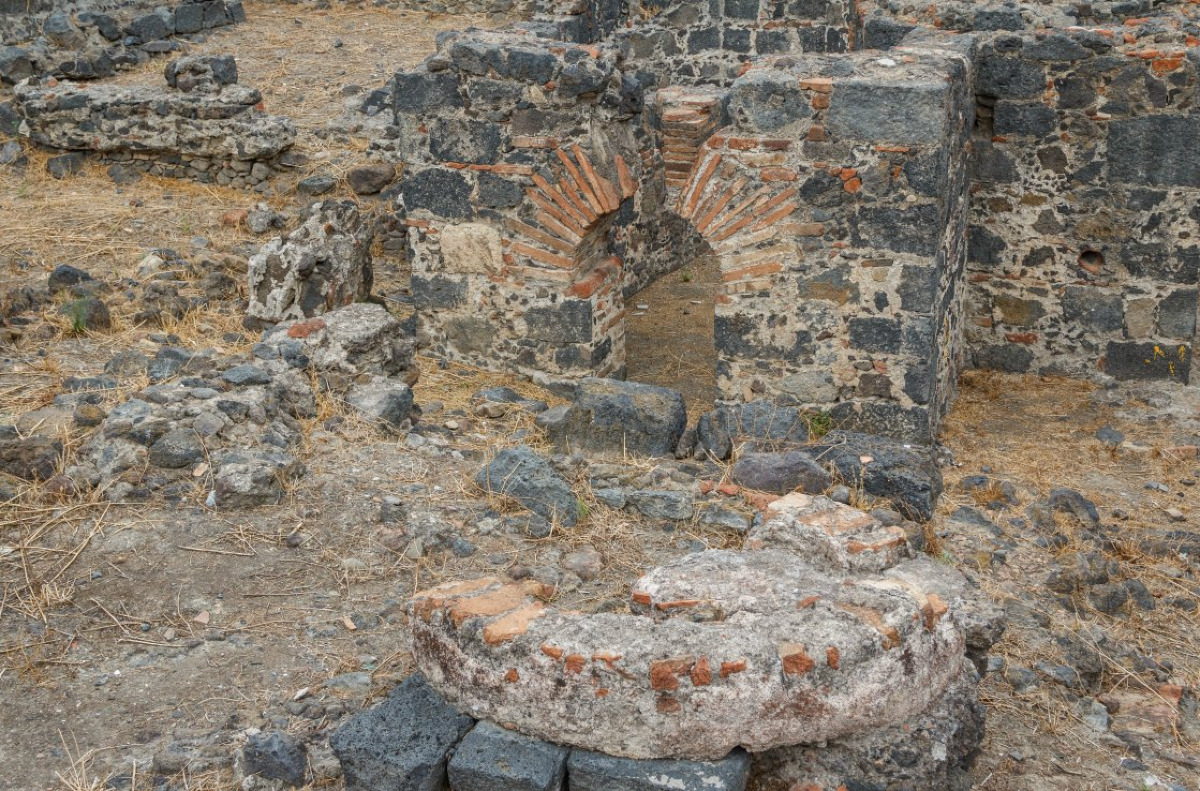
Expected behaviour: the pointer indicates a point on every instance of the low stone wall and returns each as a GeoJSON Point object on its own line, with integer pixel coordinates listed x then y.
{"type": "Point", "coordinates": [217, 133]}
{"type": "Point", "coordinates": [89, 39]}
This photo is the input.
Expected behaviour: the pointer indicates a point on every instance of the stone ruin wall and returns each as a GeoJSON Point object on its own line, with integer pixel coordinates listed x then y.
{"type": "Point", "coordinates": [22, 21]}
{"type": "Point", "coordinates": [850, 282]}
{"type": "Point", "coordinates": [1009, 187]}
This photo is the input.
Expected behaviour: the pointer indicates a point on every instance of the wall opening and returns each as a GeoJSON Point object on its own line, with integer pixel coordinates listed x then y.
{"type": "Point", "coordinates": [669, 331]}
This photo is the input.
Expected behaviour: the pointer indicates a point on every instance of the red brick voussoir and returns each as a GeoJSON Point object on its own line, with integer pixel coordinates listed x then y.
{"type": "Point", "coordinates": [822, 626]}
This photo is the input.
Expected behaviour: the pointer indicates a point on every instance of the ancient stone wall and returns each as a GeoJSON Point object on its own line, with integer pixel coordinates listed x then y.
{"type": "Point", "coordinates": [509, 207]}
{"type": "Point", "coordinates": [684, 43]}
{"type": "Point", "coordinates": [25, 20]}
{"type": "Point", "coordinates": [1085, 231]}
{"type": "Point", "coordinates": [215, 132]}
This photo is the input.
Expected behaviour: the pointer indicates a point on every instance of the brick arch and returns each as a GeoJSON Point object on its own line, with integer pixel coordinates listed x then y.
{"type": "Point", "coordinates": [740, 199]}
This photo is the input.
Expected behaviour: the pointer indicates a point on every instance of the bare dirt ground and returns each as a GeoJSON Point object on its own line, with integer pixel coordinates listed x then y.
{"type": "Point", "coordinates": [139, 644]}
{"type": "Point", "coordinates": [669, 341]}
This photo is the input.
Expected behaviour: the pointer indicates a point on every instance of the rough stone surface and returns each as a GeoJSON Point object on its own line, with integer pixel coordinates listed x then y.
{"type": "Point", "coordinates": [611, 417]}
{"type": "Point", "coordinates": [401, 744]}
{"type": "Point", "coordinates": [905, 474]}
{"type": "Point", "coordinates": [523, 475]}
{"type": "Point", "coordinates": [362, 338]}
{"type": "Point", "coordinates": [225, 125]}
{"type": "Point", "coordinates": [780, 473]}
{"type": "Point", "coordinates": [761, 648]}
{"type": "Point", "coordinates": [931, 752]}
{"type": "Point", "coordinates": [591, 771]}
{"type": "Point", "coordinates": [490, 758]}
{"type": "Point", "coordinates": [322, 265]}
{"type": "Point", "coordinates": [275, 756]}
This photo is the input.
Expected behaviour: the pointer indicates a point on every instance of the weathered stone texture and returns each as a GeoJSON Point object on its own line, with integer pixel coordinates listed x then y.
{"type": "Point", "coordinates": [760, 648]}
{"type": "Point", "coordinates": [322, 265]}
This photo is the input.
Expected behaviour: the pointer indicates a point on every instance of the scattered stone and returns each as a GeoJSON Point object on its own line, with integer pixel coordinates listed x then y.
{"type": "Point", "coordinates": [529, 479]}
{"type": "Point", "coordinates": [585, 563]}
{"type": "Point", "coordinates": [275, 756]}
{"type": "Point", "coordinates": [316, 185]}
{"type": "Point", "coordinates": [87, 313]}
{"type": "Point", "coordinates": [758, 425]}
{"type": "Point", "coordinates": [64, 165]}
{"type": "Point", "coordinates": [30, 458]}
{"type": "Point", "coordinates": [612, 417]}
{"type": "Point", "coordinates": [1110, 436]}
{"type": "Point", "coordinates": [251, 478]}
{"type": "Point", "coordinates": [905, 474]}
{"type": "Point", "coordinates": [247, 374]}
{"type": "Point", "coordinates": [386, 402]}
{"type": "Point", "coordinates": [490, 758]}
{"type": "Point", "coordinates": [780, 473]}
{"type": "Point", "coordinates": [662, 503]}
{"type": "Point", "coordinates": [207, 73]}
{"type": "Point", "coordinates": [370, 179]}
{"type": "Point", "coordinates": [65, 277]}
{"type": "Point", "coordinates": [401, 744]}
{"type": "Point", "coordinates": [263, 218]}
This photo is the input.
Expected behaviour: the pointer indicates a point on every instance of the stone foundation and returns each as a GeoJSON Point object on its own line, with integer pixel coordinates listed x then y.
{"type": "Point", "coordinates": [90, 39]}
{"type": "Point", "coordinates": [214, 132]}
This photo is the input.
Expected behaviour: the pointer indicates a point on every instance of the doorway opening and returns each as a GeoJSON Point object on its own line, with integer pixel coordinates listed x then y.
{"type": "Point", "coordinates": [669, 331]}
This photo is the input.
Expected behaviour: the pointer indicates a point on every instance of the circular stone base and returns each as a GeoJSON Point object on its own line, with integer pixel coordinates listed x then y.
{"type": "Point", "coordinates": [931, 752]}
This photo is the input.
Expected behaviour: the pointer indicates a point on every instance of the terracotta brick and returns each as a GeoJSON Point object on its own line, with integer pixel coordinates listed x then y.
{"type": "Point", "coordinates": [486, 604]}
{"type": "Point", "coordinates": [602, 692]}
{"type": "Point", "coordinates": [628, 185]}
{"type": "Point", "coordinates": [543, 256]}
{"type": "Point", "coordinates": [678, 604]}
{"type": "Point", "coordinates": [820, 101]}
{"type": "Point", "coordinates": [552, 651]}
{"type": "Point", "coordinates": [302, 329]}
{"type": "Point", "coordinates": [666, 705]}
{"type": "Point", "coordinates": [664, 674]}
{"type": "Point", "coordinates": [933, 609]}
{"type": "Point", "coordinates": [852, 185]}
{"type": "Point", "coordinates": [807, 601]}
{"type": "Point", "coordinates": [541, 236]}
{"type": "Point", "coordinates": [817, 84]}
{"type": "Point", "coordinates": [769, 268]}
{"type": "Point", "coordinates": [778, 174]}
{"type": "Point", "coordinates": [730, 668]}
{"type": "Point", "coordinates": [891, 637]}
{"type": "Point", "coordinates": [642, 598]}
{"type": "Point", "coordinates": [429, 601]}
{"type": "Point", "coordinates": [580, 183]}
{"type": "Point", "coordinates": [700, 183]}
{"type": "Point", "coordinates": [561, 201]}
{"type": "Point", "coordinates": [527, 141]}
{"type": "Point", "coordinates": [795, 659]}
{"type": "Point", "coordinates": [567, 220]}
{"type": "Point", "coordinates": [513, 624]}
{"type": "Point", "coordinates": [727, 195]}
{"type": "Point", "coordinates": [701, 673]}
